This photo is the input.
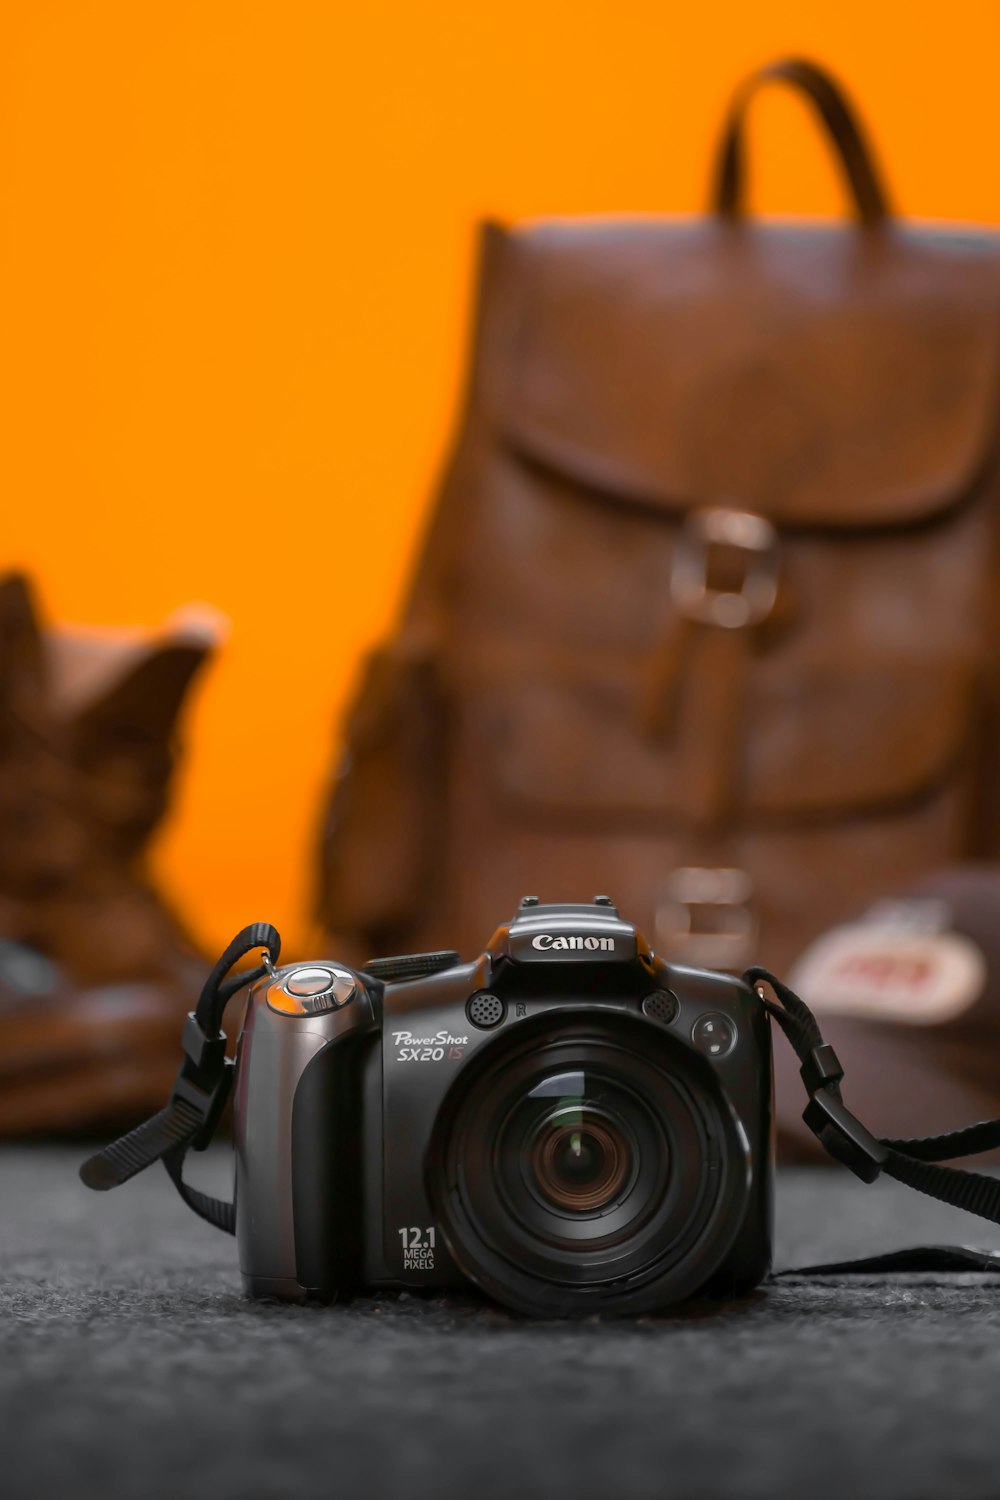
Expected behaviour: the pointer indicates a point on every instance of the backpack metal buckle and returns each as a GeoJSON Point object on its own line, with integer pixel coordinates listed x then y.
{"type": "Point", "coordinates": [705, 918]}
{"type": "Point", "coordinates": [736, 545]}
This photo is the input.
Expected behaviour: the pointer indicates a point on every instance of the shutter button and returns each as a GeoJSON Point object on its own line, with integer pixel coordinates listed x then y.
{"type": "Point", "coordinates": [311, 991]}
{"type": "Point", "coordinates": [309, 982]}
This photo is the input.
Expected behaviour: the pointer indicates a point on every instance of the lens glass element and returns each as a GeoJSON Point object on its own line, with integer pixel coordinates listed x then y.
{"type": "Point", "coordinates": [580, 1158]}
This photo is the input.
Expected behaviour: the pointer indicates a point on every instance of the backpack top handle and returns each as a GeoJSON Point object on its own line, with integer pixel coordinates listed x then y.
{"type": "Point", "coordinates": [837, 114]}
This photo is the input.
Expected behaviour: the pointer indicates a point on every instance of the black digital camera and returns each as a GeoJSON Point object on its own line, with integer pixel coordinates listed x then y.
{"type": "Point", "coordinates": [569, 1122]}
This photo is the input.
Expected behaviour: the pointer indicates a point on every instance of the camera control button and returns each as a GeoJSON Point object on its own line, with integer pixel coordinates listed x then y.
{"type": "Point", "coordinates": [714, 1035]}
{"type": "Point", "coordinates": [309, 981]}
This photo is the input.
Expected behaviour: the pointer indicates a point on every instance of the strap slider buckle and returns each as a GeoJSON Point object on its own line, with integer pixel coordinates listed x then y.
{"type": "Point", "coordinates": [843, 1136]}
{"type": "Point", "coordinates": [205, 1053]}
{"type": "Point", "coordinates": [821, 1068]}
{"type": "Point", "coordinates": [208, 1103]}
{"type": "Point", "coordinates": [205, 1078]}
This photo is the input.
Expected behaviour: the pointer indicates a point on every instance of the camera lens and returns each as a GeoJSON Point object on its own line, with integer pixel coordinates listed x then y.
{"type": "Point", "coordinates": [580, 1160]}
{"type": "Point", "coordinates": [581, 1164]}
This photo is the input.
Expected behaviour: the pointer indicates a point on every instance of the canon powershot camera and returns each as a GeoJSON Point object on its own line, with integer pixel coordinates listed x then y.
{"type": "Point", "coordinates": [568, 1122]}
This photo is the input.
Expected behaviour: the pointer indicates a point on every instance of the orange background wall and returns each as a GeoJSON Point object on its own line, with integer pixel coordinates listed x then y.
{"type": "Point", "coordinates": [235, 260]}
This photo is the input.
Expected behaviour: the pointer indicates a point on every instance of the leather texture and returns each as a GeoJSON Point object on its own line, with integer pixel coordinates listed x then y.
{"type": "Point", "coordinates": [96, 973]}
{"type": "Point", "coordinates": [706, 614]}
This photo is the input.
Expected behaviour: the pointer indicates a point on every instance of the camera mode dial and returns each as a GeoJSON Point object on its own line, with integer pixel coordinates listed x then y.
{"type": "Point", "coordinates": [411, 965]}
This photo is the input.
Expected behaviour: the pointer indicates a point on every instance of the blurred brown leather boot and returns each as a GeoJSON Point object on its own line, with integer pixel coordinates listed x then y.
{"type": "Point", "coordinates": [96, 972]}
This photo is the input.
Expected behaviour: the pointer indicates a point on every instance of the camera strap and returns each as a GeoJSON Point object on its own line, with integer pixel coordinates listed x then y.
{"type": "Point", "coordinates": [203, 1083]}
{"type": "Point", "coordinates": [200, 1089]}
{"type": "Point", "coordinates": [915, 1162]}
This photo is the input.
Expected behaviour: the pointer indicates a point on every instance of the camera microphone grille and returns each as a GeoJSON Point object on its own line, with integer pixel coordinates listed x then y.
{"type": "Point", "coordinates": [661, 1005]}
{"type": "Point", "coordinates": [485, 1010]}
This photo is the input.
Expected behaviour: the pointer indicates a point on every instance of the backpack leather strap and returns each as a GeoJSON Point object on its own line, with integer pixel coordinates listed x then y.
{"type": "Point", "coordinates": [842, 124]}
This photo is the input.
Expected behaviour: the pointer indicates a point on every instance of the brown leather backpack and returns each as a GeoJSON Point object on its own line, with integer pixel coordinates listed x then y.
{"type": "Point", "coordinates": [706, 614]}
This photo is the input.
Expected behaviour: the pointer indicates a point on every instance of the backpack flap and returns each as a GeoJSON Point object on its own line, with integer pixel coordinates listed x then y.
{"type": "Point", "coordinates": [818, 376]}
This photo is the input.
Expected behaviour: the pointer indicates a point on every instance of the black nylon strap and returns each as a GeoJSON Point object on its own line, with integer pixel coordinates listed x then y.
{"type": "Point", "coordinates": [148, 1142]}
{"type": "Point", "coordinates": [971, 1141]}
{"type": "Point", "coordinates": [201, 1089]}
{"type": "Point", "coordinates": [792, 1015]}
{"type": "Point", "coordinates": [216, 1211]}
{"type": "Point", "coordinates": [973, 1191]}
{"type": "Point", "coordinates": [219, 989]}
{"type": "Point", "coordinates": [932, 1259]}
{"type": "Point", "coordinates": [912, 1162]}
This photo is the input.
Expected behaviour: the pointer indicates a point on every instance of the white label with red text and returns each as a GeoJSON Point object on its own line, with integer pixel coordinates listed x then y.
{"type": "Point", "coordinates": [891, 971]}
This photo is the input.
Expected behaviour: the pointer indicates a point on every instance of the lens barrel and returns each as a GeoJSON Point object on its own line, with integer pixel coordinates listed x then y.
{"type": "Point", "coordinates": [585, 1163]}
